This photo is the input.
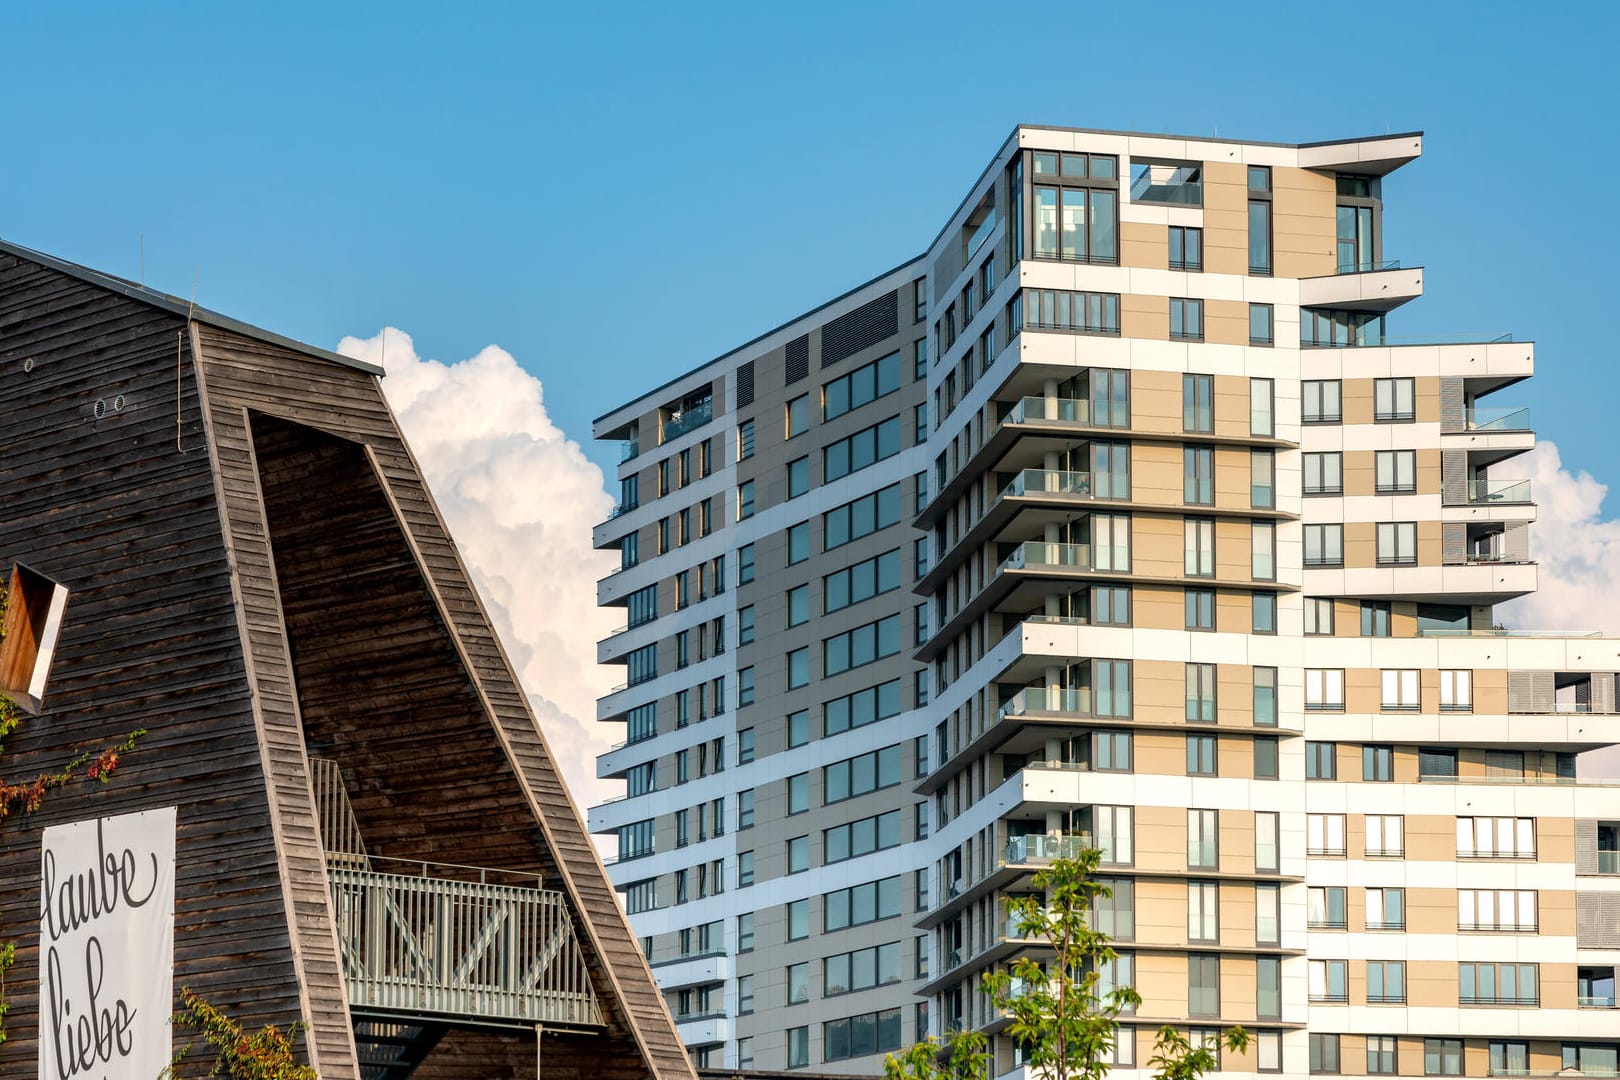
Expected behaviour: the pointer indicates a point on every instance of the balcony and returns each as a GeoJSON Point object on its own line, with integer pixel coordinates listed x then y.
{"type": "Point", "coordinates": [1498, 419]}
{"type": "Point", "coordinates": [628, 450]}
{"type": "Point", "coordinates": [1167, 183]}
{"type": "Point", "coordinates": [689, 418]}
{"type": "Point", "coordinates": [1049, 482]}
{"type": "Point", "coordinates": [1363, 287]}
{"type": "Point", "coordinates": [1492, 492]}
{"type": "Point", "coordinates": [1041, 849]}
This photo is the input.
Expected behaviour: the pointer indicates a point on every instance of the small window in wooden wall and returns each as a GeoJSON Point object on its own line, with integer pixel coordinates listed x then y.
{"type": "Point", "coordinates": [34, 607]}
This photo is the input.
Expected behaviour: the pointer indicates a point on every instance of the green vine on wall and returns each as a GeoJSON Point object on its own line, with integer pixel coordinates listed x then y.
{"type": "Point", "coordinates": [266, 1054]}
{"type": "Point", "coordinates": [29, 794]}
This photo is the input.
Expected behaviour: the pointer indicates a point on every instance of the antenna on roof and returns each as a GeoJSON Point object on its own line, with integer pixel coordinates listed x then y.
{"type": "Point", "coordinates": [143, 258]}
{"type": "Point", "coordinates": [179, 338]}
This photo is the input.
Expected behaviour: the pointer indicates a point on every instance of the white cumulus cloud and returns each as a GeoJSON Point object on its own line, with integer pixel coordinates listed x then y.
{"type": "Point", "coordinates": [520, 499]}
{"type": "Point", "coordinates": [1578, 549]}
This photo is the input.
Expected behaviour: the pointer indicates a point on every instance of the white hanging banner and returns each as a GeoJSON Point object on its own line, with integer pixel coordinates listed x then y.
{"type": "Point", "coordinates": [106, 947]}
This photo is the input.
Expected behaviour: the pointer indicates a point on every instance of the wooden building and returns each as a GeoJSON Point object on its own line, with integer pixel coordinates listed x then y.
{"type": "Point", "coordinates": [259, 578]}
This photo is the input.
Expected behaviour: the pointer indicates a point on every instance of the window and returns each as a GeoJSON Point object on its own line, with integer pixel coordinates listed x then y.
{"type": "Point", "coordinates": [1263, 613]}
{"type": "Point", "coordinates": [745, 746]}
{"type": "Point", "coordinates": [861, 581]}
{"type": "Point", "coordinates": [1262, 323]}
{"type": "Point", "coordinates": [1267, 914]}
{"type": "Point", "coordinates": [1199, 547]}
{"type": "Point", "coordinates": [1318, 616]}
{"type": "Point", "coordinates": [1112, 832]}
{"type": "Point", "coordinates": [1326, 981]}
{"type": "Point", "coordinates": [1386, 909]}
{"type": "Point", "coordinates": [798, 477]}
{"type": "Point", "coordinates": [1201, 755]}
{"type": "Point", "coordinates": [919, 556]}
{"type": "Point", "coordinates": [745, 564]}
{"type": "Point", "coordinates": [1266, 839]}
{"type": "Point", "coordinates": [745, 686]}
{"type": "Point", "coordinates": [745, 500]}
{"type": "Point", "coordinates": [1198, 475]}
{"type": "Point", "coordinates": [1442, 1057]}
{"type": "Point", "coordinates": [1508, 1058]}
{"type": "Point", "coordinates": [1397, 543]}
{"type": "Point", "coordinates": [1324, 545]}
{"type": "Point", "coordinates": [1325, 908]}
{"type": "Point", "coordinates": [641, 896]}
{"type": "Point", "coordinates": [862, 969]}
{"type": "Point", "coordinates": [1110, 605]}
{"type": "Point", "coordinates": [798, 728]}
{"type": "Point", "coordinates": [1186, 248]}
{"type": "Point", "coordinates": [862, 645]}
{"type": "Point", "coordinates": [1393, 399]}
{"type": "Point", "coordinates": [1110, 751]}
{"type": "Point", "coordinates": [1498, 984]}
{"type": "Point", "coordinates": [1265, 757]}
{"type": "Point", "coordinates": [642, 664]}
{"type": "Point", "coordinates": [1375, 618]}
{"type": "Point", "coordinates": [1592, 1060]}
{"type": "Point", "coordinates": [798, 793]}
{"type": "Point", "coordinates": [745, 863]}
{"type": "Point", "coordinates": [1385, 835]}
{"type": "Point", "coordinates": [1203, 985]}
{"type": "Point", "coordinates": [861, 708]}
{"type": "Point", "coordinates": [1324, 473]}
{"type": "Point", "coordinates": [1324, 834]}
{"type": "Point", "coordinates": [860, 774]}
{"type": "Point", "coordinates": [635, 840]}
{"type": "Point", "coordinates": [1079, 312]}
{"type": "Point", "coordinates": [1378, 763]}
{"type": "Point", "coordinates": [860, 387]}
{"type": "Point", "coordinates": [1259, 236]}
{"type": "Point", "coordinates": [1198, 403]}
{"type": "Point", "coordinates": [798, 1047]}
{"type": "Point", "coordinates": [1321, 761]}
{"type": "Point", "coordinates": [1262, 407]}
{"type": "Point", "coordinates": [1077, 224]}
{"type": "Point", "coordinates": [860, 1036]}
{"type": "Point", "coordinates": [1203, 840]}
{"type": "Point", "coordinates": [1201, 693]}
{"type": "Point", "coordinates": [1116, 915]}
{"type": "Point", "coordinates": [798, 920]}
{"type": "Point", "coordinates": [1456, 691]}
{"type": "Point", "coordinates": [1324, 1051]}
{"type": "Point", "coordinates": [1186, 319]}
{"type": "Point", "coordinates": [857, 838]}
{"type": "Point", "coordinates": [1262, 479]}
{"type": "Point", "coordinates": [1200, 605]}
{"type": "Point", "coordinates": [797, 416]}
{"type": "Point", "coordinates": [1496, 838]}
{"type": "Point", "coordinates": [1320, 401]}
{"type": "Point", "coordinates": [861, 517]}
{"type": "Point", "coordinates": [798, 855]}
{"type": "Point", "coordinates": [1265, 697]}
{"type": "Point", "coordinates": [1400, 690]}
{"type": "Point", "coordinates": [1268, 1051]}
{"type": "Point", "coordinates": [745, 626]}
{"type": "Point", "coordinates": [1203, 911]}
{"type": "Point", "coordinates": [1436, 763]}
{"type": "Point", "coordinates": [1396, 471]}
{"type": "Point", "coordinates": [1385, 982]}
{"type": "Point", "coordinates": [745, 809]}
{"type": "Point", "coordinates": [1381, 1055]}
{"type": "Point", "coordinates": [860, 450]}
{"type": "Point", "coordinates": [1324, 690]}
{"type": "Point", "coordinates": [1111, 542]}
{"type": "Point", "coordinates": [861, 904]}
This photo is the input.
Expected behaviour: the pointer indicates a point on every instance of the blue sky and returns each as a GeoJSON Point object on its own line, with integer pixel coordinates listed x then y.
{"type": "Point", "coordinates": [614, 193]}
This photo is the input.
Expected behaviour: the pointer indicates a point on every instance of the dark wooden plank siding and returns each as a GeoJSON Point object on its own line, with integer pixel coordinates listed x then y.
{"type": "Point", "coordinates": [129, 523]}
{"type": "Point", "coordinates": [399, 673]}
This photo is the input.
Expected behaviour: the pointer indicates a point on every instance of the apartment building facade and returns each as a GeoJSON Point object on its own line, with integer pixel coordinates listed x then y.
{"type": "Point", "coordinates": [1196, 563]}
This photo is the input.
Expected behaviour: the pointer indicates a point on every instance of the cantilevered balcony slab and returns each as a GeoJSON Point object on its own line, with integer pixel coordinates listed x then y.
{"type": "Point", "coordinates": [1476, 583]}
{"type": "Point", "coordinates": [1369, 290]}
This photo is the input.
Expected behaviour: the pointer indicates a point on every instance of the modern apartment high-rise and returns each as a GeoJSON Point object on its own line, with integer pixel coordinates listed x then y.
{"type": "Point", "coordinates": [1120, 519]}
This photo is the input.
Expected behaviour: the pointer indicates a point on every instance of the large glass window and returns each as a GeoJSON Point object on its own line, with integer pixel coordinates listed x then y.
{"type": "Point", "coordinates": [1355, 235]}
{"type": "Point", "coordinates": [1198, 403]}
{"type": "Point", "coordinates": [1397, 543]}
{"type": "Point", "coordinates": [1321, 401]}
{"type": "Point", "coordinates": [1186, 319]}
{"type": "Point", "coordinates": [1324, 545]}
{"type": "Point", "coordinates": [1081, 312]}
{"type": "Point", "coordinates": [865, 384]}
{"type": "Point", "coordinates": [864, 448]}
{"type": "Point", "coordinates": [1198, 475]}
{"type": "Point", "coordinates": [1259, 236]}
{"type": "Point", "coordinates": [1186, 248]}
{"type": "Point", "coordinates": [1395, 471]}
{"type": "Point", "coordinates": [1262, 324]}
{"type": "Point", "coordinates": [1077, 224]}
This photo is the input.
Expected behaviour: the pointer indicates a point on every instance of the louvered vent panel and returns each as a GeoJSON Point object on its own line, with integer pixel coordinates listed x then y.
{"type": "Point", "coordinates": [1597, 920]}
{"type": "Point", "coordinates": [1454, 477]}
{"type": "Point", "coordinates": [798, 359]}
{"type": "Point", "coordinates": [1453, 410]}
{"type": "Point", "coordinates": [1603, 692]}
{"type": "Point", "coordinates": [745, 384]}
{"type": "Point", "coordinates": [1530, 691]}
{"type": "Point", "coordinates": [1586, 860]}
{"type": "Point", "coordinates": [1516, 542]}
{"type": "Point", "coordinates": [1453, 543]}
{"type": "Point", "coordinates": [866, 325]}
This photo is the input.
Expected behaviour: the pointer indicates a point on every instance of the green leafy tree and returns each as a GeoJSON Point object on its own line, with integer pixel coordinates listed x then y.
{"type": "Point", "coordinates": [1058, 1011]}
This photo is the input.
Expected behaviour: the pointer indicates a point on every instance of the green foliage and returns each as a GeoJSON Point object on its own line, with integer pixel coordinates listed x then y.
{"type": "Point", "coordinates": [962, 1057]}
{"type": "Point", "coordinates": [266, 1054]}
{"type": "Point", "coordinates": [1056, 1010]}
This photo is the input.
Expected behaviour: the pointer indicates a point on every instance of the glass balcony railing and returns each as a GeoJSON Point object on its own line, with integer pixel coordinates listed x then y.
{"type": "Point", "coordinates": [1173, 185]}
{"type": "Point", "coordinates": [1067, 410]}
{"type": "Point", "coordinates": [1352, 265]}
{"type": "Point", "coordinates": [1048, 699]}
{"type": "Point", "coordinates": [1497, 633]}
{"type": "Point", "coordinates": [688, 419]}
{"type": "Point", "coordinates": [1485, 419]}
{"type": "Point", "coordinates": [1023, 850]}
{"type": "Point", "coordinates": [1596, 1001]}
{"type": "Point", "coordinates": [1049, 482]}
{"type": "Point", "coordinates": [628, 449]}
{"type": "Point", "coordinates": [1036, 553]}
{"type": "Point", "coordinates": [1499, 491]}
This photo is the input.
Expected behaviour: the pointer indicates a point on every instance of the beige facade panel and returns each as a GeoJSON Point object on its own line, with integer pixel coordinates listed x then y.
{"type": "Point", "coordinates": [1226, 218]}
{"type": "Point", "coordinates": [1226, 322]}
{"type": "Point", "coordinates": [1155, 403]}
{"type": "Point", "coordinates": [1145, 317]}
{"type": "Point", "coordinates": [1145, 245]}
